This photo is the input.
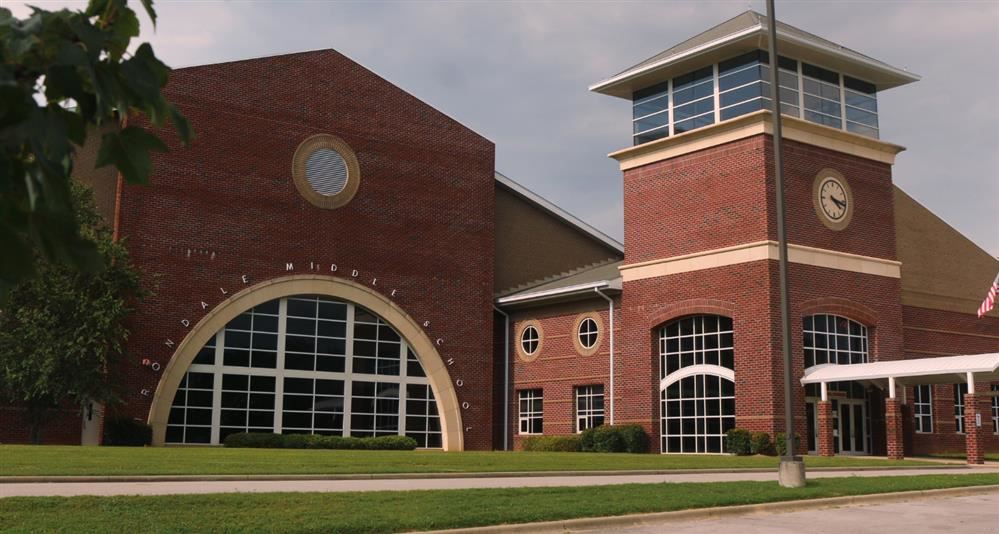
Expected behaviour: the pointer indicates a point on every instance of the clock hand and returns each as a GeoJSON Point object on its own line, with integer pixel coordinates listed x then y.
{"type": "Point", "coordinates": [840, 203]}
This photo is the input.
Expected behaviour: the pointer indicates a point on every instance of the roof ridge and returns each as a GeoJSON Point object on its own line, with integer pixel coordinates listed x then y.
{"type": "Point", "coordinates": [551, 278]}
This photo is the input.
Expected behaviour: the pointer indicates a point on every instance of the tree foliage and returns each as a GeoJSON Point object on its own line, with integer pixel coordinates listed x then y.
{"type": "Point", "coordinates": [62, 331]}
{"type": "Point", "coordinates": [60, 73]}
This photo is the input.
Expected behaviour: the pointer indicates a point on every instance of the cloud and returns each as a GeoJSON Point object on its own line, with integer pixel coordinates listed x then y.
{"type": "Point", "coordinates": [517, 73]}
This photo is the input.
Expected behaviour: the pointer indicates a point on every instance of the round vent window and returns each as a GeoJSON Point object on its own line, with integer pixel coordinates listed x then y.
{"type": "Point", "coordinates": [325, 171]}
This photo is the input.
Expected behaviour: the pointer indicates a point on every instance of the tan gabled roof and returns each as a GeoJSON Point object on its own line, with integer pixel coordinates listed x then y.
{"type": "Point", "coordinates": [538, 242]}
{"type": "Point", "coordinates": [941, 268]}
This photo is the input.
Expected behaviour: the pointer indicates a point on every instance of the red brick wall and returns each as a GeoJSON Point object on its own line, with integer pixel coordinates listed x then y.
{"type": "Point", "coordinates": [724, 196]}
{"type": "Point", "coordinates": [930, 333]}
{"type": "Point", "coordinates": [558, 367]}
{"type": "Point", "coordinates": [700, 201]}
{"type": "Point", "coordinates": [422, 221]}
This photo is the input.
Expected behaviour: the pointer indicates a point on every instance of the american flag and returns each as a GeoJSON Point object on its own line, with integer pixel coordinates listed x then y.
{"type": "Point", "coordinates": [990, 299]}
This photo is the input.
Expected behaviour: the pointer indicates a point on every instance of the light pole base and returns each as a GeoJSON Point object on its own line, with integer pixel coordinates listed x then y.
{"type": "Point", "coordinates": [792, 473]}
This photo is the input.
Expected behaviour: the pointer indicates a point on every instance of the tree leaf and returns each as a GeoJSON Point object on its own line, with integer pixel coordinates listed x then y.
{"type": "Point", "coordinates": [148, 4]}
{"type": "Point", "coordinates": [128, 150]}
{"type": "Point", "coordinates": [182, 125]}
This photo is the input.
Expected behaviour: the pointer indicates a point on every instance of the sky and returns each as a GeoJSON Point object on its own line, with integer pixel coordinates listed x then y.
{"type": "Point", "coordinates": [518, 72]}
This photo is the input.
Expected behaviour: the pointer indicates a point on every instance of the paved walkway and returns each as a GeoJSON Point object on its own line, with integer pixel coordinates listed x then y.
{"type": "Point", "coordinates": [976, 513]}
{"type": "Point", "coordinates": [263, 486]}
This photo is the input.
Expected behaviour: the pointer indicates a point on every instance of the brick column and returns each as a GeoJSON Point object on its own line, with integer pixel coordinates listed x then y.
{"type": "Point", "coordinates": [975, 436]}
{"type": "Point", "coordinates": [894, 434]}
{"type": "Point", "coordinates": [824, 419]}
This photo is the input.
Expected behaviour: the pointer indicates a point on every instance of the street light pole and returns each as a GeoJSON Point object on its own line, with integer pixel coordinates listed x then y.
{"type": "Point", "coordinates": [792, 469]}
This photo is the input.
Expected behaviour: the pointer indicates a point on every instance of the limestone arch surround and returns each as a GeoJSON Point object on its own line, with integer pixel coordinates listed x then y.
{"type": "Point", "coordinates": [286, 286]}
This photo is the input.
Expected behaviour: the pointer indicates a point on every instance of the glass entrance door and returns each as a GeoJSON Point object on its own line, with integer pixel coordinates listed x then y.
{"type": "Point", "coordinates": [851, 426]}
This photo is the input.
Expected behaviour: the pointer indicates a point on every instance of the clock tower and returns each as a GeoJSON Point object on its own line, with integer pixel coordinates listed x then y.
{"type": "Point", "coordinates": [700, 234]}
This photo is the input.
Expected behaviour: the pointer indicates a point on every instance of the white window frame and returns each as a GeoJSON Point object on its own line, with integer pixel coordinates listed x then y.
{"type": "Point", "coordinates": [800, 77]}
{"type": "Point", "coordinates": [524, 339]}
{"type": "Point", "coordinates": [700, 371]}
{"type": "Point", "coordinates": [832, 334]}
{"type": "Point", "coordinates": [530, 422]}
{"type": "Point", "coordinates": [995, 410]}
{"type": "Point", "coordinates": [218, 369]}
{"type": "Point", "coordinates": [589, 416]}
{"type": "Point", "coordinates": [922, 406]}
{"type": "Point", "coordinates": [581, 334]}
{"type": "Point", "coordinates": [960, 389]}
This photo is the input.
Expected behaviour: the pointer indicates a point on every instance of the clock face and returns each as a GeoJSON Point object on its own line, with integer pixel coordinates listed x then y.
{"type": "Point", "coordinates": [833, 199]}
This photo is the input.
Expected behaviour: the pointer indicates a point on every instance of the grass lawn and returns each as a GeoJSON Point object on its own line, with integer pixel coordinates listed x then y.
{"type": "Point", "coordinates": [68, 460]}
{"type": "Point", "coordinates": [419, 510]}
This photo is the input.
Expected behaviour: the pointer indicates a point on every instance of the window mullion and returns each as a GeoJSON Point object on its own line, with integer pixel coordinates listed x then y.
{"type": "Point", "coordinates": [403, 385]}
{"type": "Point", "coordinates": [714, 92]}
{"type": "Point", "coordinates": [279, 368]}
{"type": "Point", "coordinates": [216, 389]}
{"type": "Point", "coordinates": [348, 370]}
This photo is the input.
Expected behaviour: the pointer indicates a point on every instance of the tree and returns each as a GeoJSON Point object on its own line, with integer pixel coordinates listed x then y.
{"type": "Point", "coordinates": [62, 331]}
{"type": "Point", "coordinates": [61, 74]}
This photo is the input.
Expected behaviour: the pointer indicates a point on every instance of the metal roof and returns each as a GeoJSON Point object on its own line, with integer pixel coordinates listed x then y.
{"type": "Point", "coordinates": [747, 31]}
{"type": "Point", "coordinates": [574, 285]}
{"type": "Point", "coordinates": [941, 370]}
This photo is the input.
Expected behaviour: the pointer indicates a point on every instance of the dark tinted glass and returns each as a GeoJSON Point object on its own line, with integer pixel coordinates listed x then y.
{"type": "Point", "coordinates": [859, 85]}
{"type": "Point", "coordinates": [820, 74]}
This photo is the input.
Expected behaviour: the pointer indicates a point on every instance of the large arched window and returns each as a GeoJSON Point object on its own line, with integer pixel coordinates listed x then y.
{"type": "Point", "coordinates": [697, 384]}
{"type": "Point", "coordinates": [305, 365]}
{"type": "Point", "coordinates": [834, 339]}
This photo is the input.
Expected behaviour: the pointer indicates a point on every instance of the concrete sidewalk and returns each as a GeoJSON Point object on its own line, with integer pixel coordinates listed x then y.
{"type": "Point", "coordinates": [38, 489]}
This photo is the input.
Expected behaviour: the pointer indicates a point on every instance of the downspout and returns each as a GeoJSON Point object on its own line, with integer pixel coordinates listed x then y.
{"type": "Point", "coordinates": [610, 313]}
{"type": "Point", "coordinates": [506, 378]}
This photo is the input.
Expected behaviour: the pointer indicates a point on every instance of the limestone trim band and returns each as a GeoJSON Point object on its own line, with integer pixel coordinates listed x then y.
{"type": "Point", "coordinates": [434, 366]}
{"type": "Point", "coordinates": [756, 123]}
{"type": "Point", "coordinates": [759, 251]}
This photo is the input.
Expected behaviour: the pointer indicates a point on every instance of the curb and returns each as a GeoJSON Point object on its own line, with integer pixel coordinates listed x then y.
{"type": "Point", "coordinates": [658, 519]}
{"type": "Point", "coordinates": [410, 476]}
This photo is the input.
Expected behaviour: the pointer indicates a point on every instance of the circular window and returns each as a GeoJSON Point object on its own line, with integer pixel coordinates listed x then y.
{"type": "Point", "coordinates": [531, 340]}
{"type": "Point", "coordinates": [587, 335]}
{"type": "Point", "coordinates": [325, 171]}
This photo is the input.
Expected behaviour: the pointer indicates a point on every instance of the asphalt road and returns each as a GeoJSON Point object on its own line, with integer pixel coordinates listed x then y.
{"type": "Point", "coordinates": [978, 514]}
{"type": "Point", "coordinates": [238, 486]}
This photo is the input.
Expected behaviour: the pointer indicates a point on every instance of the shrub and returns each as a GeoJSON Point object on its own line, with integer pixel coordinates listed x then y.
{"type": "Point", "coordinates": [123, 431]}
{"type": "Point", "coordinates": [780, 443]}
{"type": "Point", "coordinates": [390, 443]}
{"type": "Point", "coordinates": [739, 441]}
{"type": "Point", "coordinates": [254, 440]}
{"type": "Point", "coordinates": [552, 444]}
{"type": "Point", "coordinates": [310, 441]}
{"type": "Point", "coordinates": [759, 443]}
{"type": "Point", "coordinates": [615, 438]}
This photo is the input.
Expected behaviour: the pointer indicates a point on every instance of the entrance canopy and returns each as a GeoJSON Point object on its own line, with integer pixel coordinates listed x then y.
{"type": "Point", "coordinates": [944, 370]}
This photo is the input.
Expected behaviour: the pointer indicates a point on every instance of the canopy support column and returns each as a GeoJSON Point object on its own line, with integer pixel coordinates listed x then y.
{"type": "Point", "coordinates": [893, 428]}
{"type": "Point", "coordinates": [974, 426]}
{"type": "Point", "coordinates": [826, 445]}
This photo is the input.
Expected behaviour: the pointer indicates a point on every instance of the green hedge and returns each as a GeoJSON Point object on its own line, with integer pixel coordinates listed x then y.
{"type": "Point", "coordinates": [123, 431]}
{"type": "Point", "coordinates": [259, 440]}
{"type": "Point", "coordinates": [615, 438]}
{"type": "Point", "coordinates": [759, 443]}
{"type": "Point", "coordinates": [552, 444]}
{"type": "Point", "coordinates": [739, 442]}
